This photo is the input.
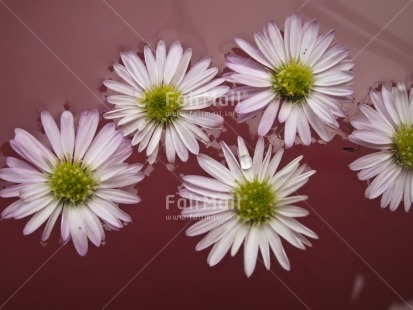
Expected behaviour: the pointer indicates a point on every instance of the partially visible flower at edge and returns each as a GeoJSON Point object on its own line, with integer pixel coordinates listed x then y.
{"type": "Point", "coordinates": [389, 129]}
{"type": "Point", "coordinates": [298, 75]}
{"type": "Point", "coordinates": [162, 100]}
{"type": "Point", "coordinates": [248, 202]}
{"type": "Point", "coordinates": [80, 180]}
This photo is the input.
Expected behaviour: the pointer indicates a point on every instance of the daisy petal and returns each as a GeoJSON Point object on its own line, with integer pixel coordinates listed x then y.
{"type": "Point", "coordinates": [39, 218]}
{"type": "Point", "coordinates": [100, 208]}
{"type": "Point", "coordinates": [258, 156]}
{"type": "Point", "coordinates": [239, 238]}
{"type": "Point", "coordinates": [33, 150]}
{"type": "Point", "coordinates": [33, 207]}
{"type": "Point", "coordinates": [182, 67]}
{"type": "Point", "coordinates": [118, 196]}
{"type": "Point", "coordinates": [277, 41]}
{"type": "Point", "coordinates": [253, 52]}
{"type": "Point", "coordinates": [308, 40]}
{"type": "Point", "coordinates": [93, 227]}
{"type": "Point", "coordinates": [291, 128]}
{"type": "Point", "coordinates": [208, 183]}
{"type": "Point", "coordinates": [208, 224]}
{"type": "Point", "coordinates": [78, 231]}
{"type": "Point", "coordinates": [221, 248]}
{"type": "Point", "coordinates": [317, 124]}
{"type": "Point", "coordinates": [372, 137]}
{"type": "Point", "coordinates": [268, 118]}
{"type": "Point", "coordinates": [407, 192]}
{"type": "Point", "coordinates": [121, 88]}
{"type": "Point", "coordinates": [241, 65]}
{"type": "Point", "coordinates": [51, 222]}
{"type": "Point", "coordinates": [197, 81]}
{"type": "Point", "coordinates": [382, 182]}
{"type": "Point", "coordinates": [264, 248]}
{"type": "Point", "coordinates": [303, 127]}
{"type": "Point", "coordinates": [255, 102]}
{"type": "Point", "coordinates": [204, 119]}
{"type": "Point", "coordinates": [179, 146]}
{"type": "Point", "coordinates": [292, 211]}
{"type": "Point", "coordinates": [333, 77]}
{"type": "Point", "coordinates": [277, 248]}
{"type": "Point", "coordinates": [320, 47]}
{"type": "Point", "coordinates": [160, 60]}
{"type": "Point", "coordinates": [251, 80]}
{"type": "Point", "coordinates": [52, 132]}
{"type": "Point", "coordinates": [285, 232]}
{"type": "Point", "coordinates": [215, 169]}
{"type": "Point", "coordinates": [169, 146]}
{"type": "Point", "coordinates": [402, 103]}
{"type": "Point", "coordinates": [67, 134]}
{"type": "Point", "coordinates": [231, 161]}
{"type": "Point", "coordinates": [136, 68]}
{"type": "Point", "coordinates": [293, 36]}
{"type": "Point", "coordinates": [398, 190]}
{"type": "Point", "coordinates": [370, 160]}
{"type": "Point", "coordinates": [124, 74]}
{"type": "Point", "coordinates": [86, 130]}
{"type": "Point", "coordinates": [156, 137]}
{"type": "Point", "coordinates": [187, 137]}
{"type": "Point", "coordinates": [333, 55]}
{"type": "Point", "coordinates": [250, 251]}
{"type": "Point", "coordinates": [151, 65]}
{"type": "Point", "coordinates": [216, 235]}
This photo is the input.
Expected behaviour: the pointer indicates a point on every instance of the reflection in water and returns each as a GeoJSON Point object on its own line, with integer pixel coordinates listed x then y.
{"type": "Point", "coordinates": [358, 285]}
{"type": "Point", "coordinates": [171, 167]}
{"type": "Point", "coordinates": [276, 141]}
{"type": "Point", "coordinates": [148, 170]}
{"type": "Point", "coordinates": [253, 124]}
{"type": "Point", "coordinates": [391, 44]}
{"type": "Point", "coordinates": [401, 305]}
{"type": "Point", "coordinates": [275, 134]}
{"type": "Point", "coordinates": [213, 135]}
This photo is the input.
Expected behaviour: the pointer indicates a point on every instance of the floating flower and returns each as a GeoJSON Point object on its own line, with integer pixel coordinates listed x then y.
{"type": "Point", "coordinates": [163, 95]}
{"type": "Point", "coordinates": [389, 129]}
{"type": "Point", "coordinates": [300, 71]}
{"type": "Point", "coordinates": [248, 202]}
{"type": "Point", "coordinates": [80, 180]}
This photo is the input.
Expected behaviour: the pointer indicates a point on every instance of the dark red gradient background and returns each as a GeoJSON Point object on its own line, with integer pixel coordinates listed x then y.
{"type": "Point", "coordinates": [56, 53]}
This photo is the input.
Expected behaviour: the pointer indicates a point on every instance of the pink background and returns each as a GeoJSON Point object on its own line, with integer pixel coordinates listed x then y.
{"type": "Point", "coordinates": [56, 53]}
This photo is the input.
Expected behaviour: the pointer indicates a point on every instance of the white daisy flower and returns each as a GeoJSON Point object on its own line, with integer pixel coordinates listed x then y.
{"type": "Point", "coordinates": [80, 180]}
{"type": "Point", "coordinates": [389, 129]}
{"type": "Point", "coordinates": [298, 73]}
{"type": "Point", "coordinates": [163, 95]}
{"type": "Point", "coordinates": [248, 202]}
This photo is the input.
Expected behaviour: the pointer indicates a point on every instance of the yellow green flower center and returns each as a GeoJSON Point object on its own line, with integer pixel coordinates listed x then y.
{"type": "Point", "coordinates": [293, 81]}
{"type": "Point", "coordinates": [403, 147]}
{"type": "Point", "coordinates": [72, 183]}
{"type": "Point", "coordinates": [254, 202]}
{"type": "Point", "coordinates": [162, 103]}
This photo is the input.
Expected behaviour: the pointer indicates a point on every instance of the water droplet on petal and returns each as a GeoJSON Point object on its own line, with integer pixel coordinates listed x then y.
{"type": "Point", "coordinates": [246, 162]}
{"type": "Point", "coordinates": [243, 155]}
